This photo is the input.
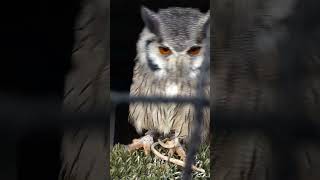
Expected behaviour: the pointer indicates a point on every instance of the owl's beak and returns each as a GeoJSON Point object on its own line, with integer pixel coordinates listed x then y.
{"type": "Point", "coordinates": [181, 65]}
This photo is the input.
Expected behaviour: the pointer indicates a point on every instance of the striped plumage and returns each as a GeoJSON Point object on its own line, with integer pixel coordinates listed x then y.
{"type": "Point", "coordinates": [176, 75]}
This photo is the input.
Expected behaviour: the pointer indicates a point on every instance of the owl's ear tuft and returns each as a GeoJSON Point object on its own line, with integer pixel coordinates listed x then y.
{"type": "Point", "coordinates": [150, 19]}
{"type": "Point", "coordinates": [206, 20]}
{"type": "Point", "coordinates": [205, 26]}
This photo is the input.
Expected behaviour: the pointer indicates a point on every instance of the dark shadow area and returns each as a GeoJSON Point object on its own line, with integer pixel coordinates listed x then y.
{"type": "Point", "coordinates": [265, 90]}
{"type": "Point", "coordinates": [126, 25]}
{"type": "Point", "coordinates": [37, 45]}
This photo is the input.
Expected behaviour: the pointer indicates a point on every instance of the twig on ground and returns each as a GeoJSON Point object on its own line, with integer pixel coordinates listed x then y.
{"type": "Point", "coordinates": [172, 160]}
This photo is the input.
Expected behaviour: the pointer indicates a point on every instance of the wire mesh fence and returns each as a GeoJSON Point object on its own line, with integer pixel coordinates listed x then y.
{"type": "Point", "coordinates": [199, 102]}
{"type": "Point", "coordinates": [288, 124]}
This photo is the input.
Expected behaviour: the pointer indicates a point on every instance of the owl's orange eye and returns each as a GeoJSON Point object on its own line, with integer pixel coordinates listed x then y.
{"type": "Point", "coordinates": [165, 51]}
{"type": "Point", "coordinates": [193, 51]}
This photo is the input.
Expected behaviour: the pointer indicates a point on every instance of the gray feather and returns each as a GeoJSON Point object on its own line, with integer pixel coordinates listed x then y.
{"type": "Point", "coordinates": [172, 75]}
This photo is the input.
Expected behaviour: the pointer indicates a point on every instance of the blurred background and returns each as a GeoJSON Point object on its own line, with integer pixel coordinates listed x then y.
{"type": "Point", "coordinates": [53, 68]}
{"type": "Point", "coordinates": [265, 89]}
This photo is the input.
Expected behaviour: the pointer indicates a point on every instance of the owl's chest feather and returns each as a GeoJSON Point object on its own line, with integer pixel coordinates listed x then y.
{"type": "Point", "coordinates": [171, 89]}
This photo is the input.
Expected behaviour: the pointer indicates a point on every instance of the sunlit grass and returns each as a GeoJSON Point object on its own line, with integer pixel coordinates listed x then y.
{"type": "Point", "coordinates": [136, 165]}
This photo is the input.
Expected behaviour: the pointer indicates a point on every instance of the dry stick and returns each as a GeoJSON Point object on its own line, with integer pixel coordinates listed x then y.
{"type": "Point", "coordinates": [173, 160]}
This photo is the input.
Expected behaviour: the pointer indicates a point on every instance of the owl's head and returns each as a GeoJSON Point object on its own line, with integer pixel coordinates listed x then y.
{"type": "Point", "coordinates": [172, 44]}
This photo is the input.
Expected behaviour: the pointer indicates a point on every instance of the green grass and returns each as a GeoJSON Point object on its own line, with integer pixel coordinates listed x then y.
{"type": "Point", "coordinates": [136, 165]}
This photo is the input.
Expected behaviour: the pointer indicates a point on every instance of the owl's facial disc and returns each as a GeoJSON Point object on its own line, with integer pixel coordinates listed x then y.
{"type": "Point", "coordinates": [172, 42]}
{"type": "Point", "coordinates": [166, 61]}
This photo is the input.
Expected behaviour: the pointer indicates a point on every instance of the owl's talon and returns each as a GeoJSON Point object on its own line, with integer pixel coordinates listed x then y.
{"type": "Point", "coordinates": [145, 142]}
{"type": "Point", "coordinates": [171, 152]}
{"type": "Point", "coordinates": [174, 147]}
{"type": "Point", "coordinates": [181, 152]}
{"type": "Point", "coordinates": [147, 149]}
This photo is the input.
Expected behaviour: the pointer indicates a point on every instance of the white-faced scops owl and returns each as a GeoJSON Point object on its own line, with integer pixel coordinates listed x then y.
{"type": "Point", "coordinates": [170, 52]}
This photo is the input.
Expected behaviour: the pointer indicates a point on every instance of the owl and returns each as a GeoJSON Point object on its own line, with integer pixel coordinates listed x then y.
{"type": "Point", "coordinates": [171, 50]}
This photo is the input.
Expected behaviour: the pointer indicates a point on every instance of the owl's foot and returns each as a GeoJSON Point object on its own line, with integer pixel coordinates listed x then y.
{"type": "Point", "coordinates": [145, 142]}
{"type": "Point", "coordinates": [180, 152]}
{"type": "Point", "coordinates": [174, 147]}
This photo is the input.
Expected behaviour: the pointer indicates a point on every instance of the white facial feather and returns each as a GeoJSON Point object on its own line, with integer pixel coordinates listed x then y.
{"type": "Point", "coordinates": [142, 51]}
{"type": "Point", "coordinates": [162, 61]}
{"type": "Point", "coordinates": [172, 89]}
